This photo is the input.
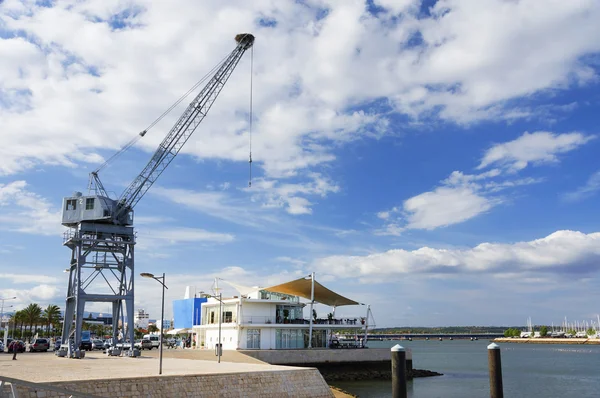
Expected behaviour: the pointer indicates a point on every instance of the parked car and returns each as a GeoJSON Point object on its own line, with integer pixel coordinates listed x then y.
{"type": "Point", "coordinates": [155, 339]}
{"type": "Point", "coordinates": [86, 345]}
{"type": "Point", "coordinates": [39, 345]}
{"type": "Point", "coordinates": [57, 344]}
{"type": "Point", "coordinates": [1, 345]}
{"type": "Point", "coordinates": [124, 345]}
{"type": "Point", "coordinates": [20, 344]}
{"type": "Point", "coordinates": [143, 344]}
{"type": "Point", "coordinates": [97, 344]}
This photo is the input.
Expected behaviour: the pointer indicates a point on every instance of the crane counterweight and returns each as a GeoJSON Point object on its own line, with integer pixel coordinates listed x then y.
{"type": "Point", "coordinates": [245, 39]}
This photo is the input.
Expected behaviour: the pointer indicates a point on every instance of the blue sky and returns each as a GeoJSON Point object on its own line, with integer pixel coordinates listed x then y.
{"type": "Point", "coordinates": [437, 160]}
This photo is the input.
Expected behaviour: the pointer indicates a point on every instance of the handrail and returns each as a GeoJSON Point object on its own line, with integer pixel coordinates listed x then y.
{"type": "Point", "coordinates": [302, 321]}
{"type": "Point", "coordinates": [39, 386]}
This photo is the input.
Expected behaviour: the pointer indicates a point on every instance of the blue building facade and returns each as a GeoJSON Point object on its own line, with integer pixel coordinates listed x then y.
{"type": "Point", "coordinates": [187, 312]}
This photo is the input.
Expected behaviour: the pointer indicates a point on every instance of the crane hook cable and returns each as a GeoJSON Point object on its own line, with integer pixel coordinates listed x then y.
{"type": "Point", "coordinates": [158, 119]}
{"type": "Point", "coordinates": [250, 124]}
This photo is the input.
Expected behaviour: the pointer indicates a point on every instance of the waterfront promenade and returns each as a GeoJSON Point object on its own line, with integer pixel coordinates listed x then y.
{"type": "Point", "coordinates": [184, 372]}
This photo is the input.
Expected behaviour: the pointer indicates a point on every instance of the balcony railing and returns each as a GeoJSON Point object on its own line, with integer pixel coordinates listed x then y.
{"type": "Point", "coordinates": [299, 321]}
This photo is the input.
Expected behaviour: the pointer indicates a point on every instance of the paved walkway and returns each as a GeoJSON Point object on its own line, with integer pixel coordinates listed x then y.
{"type": "Point", "coordinates": [46, 367]}
{"type": "Point", "coordinates": [207, 355]}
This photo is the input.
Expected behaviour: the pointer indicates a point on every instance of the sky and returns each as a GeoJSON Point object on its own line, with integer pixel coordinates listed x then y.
{"type": "Point", "coordinates": [437, 160]}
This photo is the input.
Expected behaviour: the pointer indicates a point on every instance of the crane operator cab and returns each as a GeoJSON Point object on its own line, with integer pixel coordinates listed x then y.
{"type": "Point", "coordinates": [78, 208]}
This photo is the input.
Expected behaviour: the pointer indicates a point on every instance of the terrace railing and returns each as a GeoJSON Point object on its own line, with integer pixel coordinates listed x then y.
{"type": "Point", "coordinates": [261, 320]}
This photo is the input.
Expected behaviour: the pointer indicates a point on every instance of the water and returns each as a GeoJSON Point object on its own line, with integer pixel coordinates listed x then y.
{"type": "Point", "coordinates": [529, 370]}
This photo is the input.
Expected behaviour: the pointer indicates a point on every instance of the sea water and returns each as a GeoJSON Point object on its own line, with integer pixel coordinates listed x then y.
{"type": "Point", "coordinates": [529, 370]}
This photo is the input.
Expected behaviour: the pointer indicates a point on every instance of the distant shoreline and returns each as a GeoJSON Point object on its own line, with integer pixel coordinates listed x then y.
{"type": "Point", "coordinates": [540, 340]}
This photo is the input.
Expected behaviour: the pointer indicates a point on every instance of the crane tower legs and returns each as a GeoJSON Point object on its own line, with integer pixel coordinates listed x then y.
{"type": "Point", "coordinates": [101, 270]}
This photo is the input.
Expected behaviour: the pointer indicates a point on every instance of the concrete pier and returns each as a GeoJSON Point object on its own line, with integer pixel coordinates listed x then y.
{"type": "Point", "coordinates": [105, 376]}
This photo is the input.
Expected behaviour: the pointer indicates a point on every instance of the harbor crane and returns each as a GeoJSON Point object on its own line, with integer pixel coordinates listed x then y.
{"type": "Point", "coordinates": [101, 233]}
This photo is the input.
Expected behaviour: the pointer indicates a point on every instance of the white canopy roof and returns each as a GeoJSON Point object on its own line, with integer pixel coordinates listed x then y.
{"type": "Point", "coordinates": [302, 288]}
{"type": "Point", "coordinates": [179, 331]}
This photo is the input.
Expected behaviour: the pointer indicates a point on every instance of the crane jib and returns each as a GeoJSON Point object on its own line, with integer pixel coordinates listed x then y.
{"type": "Point", "coordinates": [183, 129]}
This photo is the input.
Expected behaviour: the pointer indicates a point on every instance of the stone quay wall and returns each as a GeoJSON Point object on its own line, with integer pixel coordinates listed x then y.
{"type": "Point", "coordinates": [303, 382]}
{"type": "Point", "coordinates": [296, 357]}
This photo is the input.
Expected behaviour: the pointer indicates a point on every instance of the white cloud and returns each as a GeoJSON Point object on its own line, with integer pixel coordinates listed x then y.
{"type": "Point", "coordinates": [462, 196]}
{"type": "Point", "coordinates": [537, 147]}
{"type": "Point", "coordinates": [591, 187]}
{"type": "Point", "coordinates": [563, 252]}
{"type": "Point", "coordinates": [217, 204]}
{"type": "Point", "coordinates": [298, 206]}
{"type": "Point", "coordinates": [64, 101]}
{"type": "Point", "coordinates": [42, 293]}
{"type": "Point", "coordinates": [445, 206]}
{"type": "Point", "coordinates": [273, 194]}
{"type": "Point", "coordinates": [384, 215]}
{"type": "Point", "coordinates": [28, 278]}
{"type": "Point", "coordinates": [27, 212]}
{"type": "Point", "coordinates": [154, 238]}
{"type": "Point", "coordinates": [397, 6]}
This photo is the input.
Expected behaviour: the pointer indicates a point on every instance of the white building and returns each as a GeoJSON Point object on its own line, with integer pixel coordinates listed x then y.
{"type": "Point", "coordinates": [141, 319]}
{"type": "Point", "coordinates": [273, 319]}
{"type": "Point", "coordinates": [163, 323]}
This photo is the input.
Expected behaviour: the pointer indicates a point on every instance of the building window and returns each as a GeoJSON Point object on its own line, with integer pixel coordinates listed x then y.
{"type": "Point", "coordinates": [227, 317]}
{"type": "Point", "coordinates": [253, 339]}
{"type": "Point", "coordinates": [89, 204]}
{"type": "Point", "coordinates": [212, 317]}
{"type": "Point", "coordinates": [71, 204]}
{"type": "Point", "coordinates": [298, 338]}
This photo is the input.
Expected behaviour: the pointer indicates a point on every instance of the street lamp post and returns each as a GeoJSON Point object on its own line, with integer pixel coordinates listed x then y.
{"type": "Point", "coordinates": [2, 317]}
{"type": "Point", "coordinates": [220, 298]}
{"type": "Point", "coordinates": [162, 314]}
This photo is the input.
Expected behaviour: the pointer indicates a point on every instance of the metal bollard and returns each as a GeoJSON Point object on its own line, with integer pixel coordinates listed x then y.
{"type": "Point", "coordinates": [398, 372]}
{"type": "Point", "coordinates": [495, 365]}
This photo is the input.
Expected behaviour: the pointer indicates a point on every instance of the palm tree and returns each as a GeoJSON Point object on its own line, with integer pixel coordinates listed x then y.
{"type": "Point", "coordinates": [51, 316]}
{"type": "Point", "coordinates": [19, 318]}
{"type": "Point", "coordinates": [33, 313]}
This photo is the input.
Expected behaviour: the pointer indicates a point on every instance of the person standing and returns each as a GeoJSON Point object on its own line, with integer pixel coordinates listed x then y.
{"type": "Point", "coordinates": [13, 347]}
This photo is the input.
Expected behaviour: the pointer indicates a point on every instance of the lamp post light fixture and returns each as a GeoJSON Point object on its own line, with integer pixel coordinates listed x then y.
{"type": "Point", "coordinates": [219, 344]}
{"type": "Point", "coordinates": [161, 280]}
{"type": "Point", "coordinates": [2, 318]}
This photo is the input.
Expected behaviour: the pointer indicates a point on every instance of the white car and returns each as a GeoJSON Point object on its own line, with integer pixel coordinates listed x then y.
{"type": "Point", "coordinates": [97, 344]}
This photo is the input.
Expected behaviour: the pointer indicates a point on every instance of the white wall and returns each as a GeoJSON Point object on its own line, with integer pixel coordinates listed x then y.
{"type": "Point", "coordinates": [258, 309]}
{"type": "Point", "coordinates": [267, 338]}
{"type": "Point", "coordinates": [229, 338]}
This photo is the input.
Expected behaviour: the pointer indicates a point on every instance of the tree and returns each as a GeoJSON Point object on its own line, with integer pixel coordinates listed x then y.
{"type": "Point", "coordinates": [19, 319]}
{"type": "Point", "coordinates": [543, 331]}
{"type": "Point", "coordinates": [33, 313]}
{"type": "Point", "coordinates": [51, 316]}
{"type": "Point", "coordinates": [510, 332]}
{"type": "Point", "coordinates": [152, 328]}
{"type": "Point", "coordinates": [590, 332]}
{"type": "Point", "coordinates": [139, 333]}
